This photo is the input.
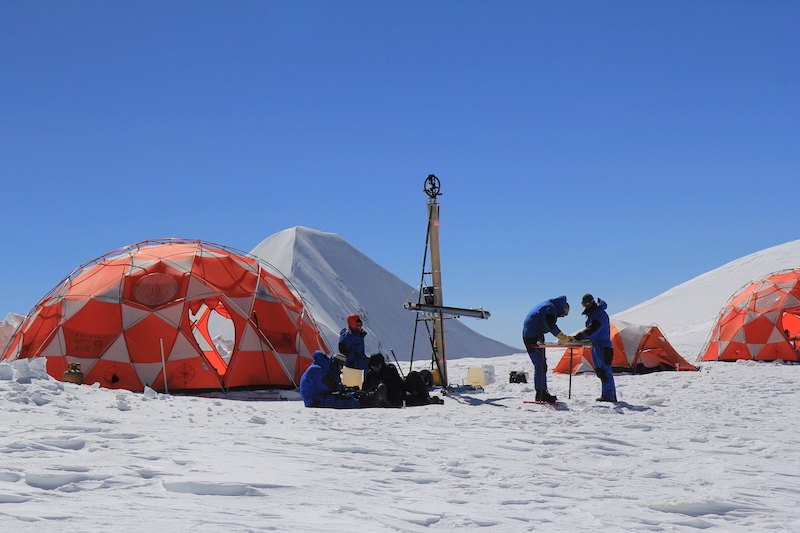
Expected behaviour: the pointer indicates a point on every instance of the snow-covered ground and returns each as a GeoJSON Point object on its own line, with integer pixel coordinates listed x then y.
{"type": "Point", "coordinates": [713, 450]}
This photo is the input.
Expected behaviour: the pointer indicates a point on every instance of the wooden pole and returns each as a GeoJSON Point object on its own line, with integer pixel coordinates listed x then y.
{"type": "Point", "coordinates": [439, 354]}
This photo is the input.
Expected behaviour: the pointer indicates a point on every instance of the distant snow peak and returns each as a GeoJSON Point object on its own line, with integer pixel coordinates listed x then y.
{"type": "Point", "coordinates": [335, 279]}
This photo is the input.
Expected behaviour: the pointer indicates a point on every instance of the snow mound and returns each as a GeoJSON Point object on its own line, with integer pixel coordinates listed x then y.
{"type": "Point", "coordinates": [335, 279]}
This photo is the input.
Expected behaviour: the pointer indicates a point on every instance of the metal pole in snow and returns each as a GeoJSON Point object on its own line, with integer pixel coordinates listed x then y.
{"type": "Point", "coordinates": [569, 394]}
{"type": "Point", "coordinates": [163, 365]}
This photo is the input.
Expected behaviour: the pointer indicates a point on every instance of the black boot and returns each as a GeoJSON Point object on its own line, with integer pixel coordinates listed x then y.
{"type": "Point", "coordinates": [605, 399]}
{"type": "Point", "coordinates": [543, 396]}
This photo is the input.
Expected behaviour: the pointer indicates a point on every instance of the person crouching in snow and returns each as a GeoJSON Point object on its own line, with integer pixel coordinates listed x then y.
{"type": "Point", "coordinates": [351, 343]}
{"type": "Point", "coordinates": [321, 386]}
{"type": "Point", "coordinates": [598, 330]}
{"type": "Point", "coordinates": [540, 320]}
{"type": "Point", "coordinates": [382, 372]}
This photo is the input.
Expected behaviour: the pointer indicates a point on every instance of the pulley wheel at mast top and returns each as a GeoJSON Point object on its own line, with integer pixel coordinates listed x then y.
{"type": "Point", "coordinates": [432, 186]}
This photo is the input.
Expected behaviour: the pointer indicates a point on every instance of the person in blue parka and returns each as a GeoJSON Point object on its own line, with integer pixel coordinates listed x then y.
{"type": "Point", "coordinates": [321, 384]}
{"type": "Point", "coordinates": [351, 343]}
{"type": "Point", "coordinates": [598, 330]}
{"type": "Point", "coordinates": [540, 320]}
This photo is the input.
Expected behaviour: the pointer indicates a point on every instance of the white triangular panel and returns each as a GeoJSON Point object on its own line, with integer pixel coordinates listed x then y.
{"type": "Point", "coordinates": [120, 257]}
{"type": "Point", "coordinates": [132, 315]}
{"type": "Point", "coordinates": [55, 348]}
{"type": "Point", "coordinates": [241, 306]}
{"type": "Point", "coordinates": [201, 341]}
{"type": "Point", "coordinates": [751, 315]}
{"type": "Point", "coordinates": [205, 252]}
{"type": "Point", "coordinates": [791, 301]}
{"type": "Point", "coordinates": [250, 267]}
{"type": "Point", "coordinates": [172, 314]}
{"type": "Point", "coordinates": [71, 307]}
{"type": "Point", "coordinates": [294, 316]}
{"type": "Point", "coordinates": [181, 265]}
{"type": "Point", "coordinates": [142, 262]}
{"type": "Point", "coordinates": [197, 289]}
{"type": "Point", "coordinates": [773, 316]}
{"type": "Point", "coordinates": [251, 341]}
{"type": "Point", "coordinates": [721, 346]}
{"type": "Point", "coordinates": [304, 351]}
{"type": "Point", "coordinates": [288, 362]}
{"type": "Point", "coordinates": [183, 348]}
{"type": "Point", "coordinates": [118, 351]}
{"type": "Point", "coordinates": [739, 336]}
{"type": "Point", "coordinates": [776, 337]}
{"type": "Point", "coordinates": [148, 372]}
{"type": "Point", "coordinates": [263, 292]}
{"type": "Point", "coordinates": [111, 294]}
{"type": "Point", "coordinates": [754, 349]}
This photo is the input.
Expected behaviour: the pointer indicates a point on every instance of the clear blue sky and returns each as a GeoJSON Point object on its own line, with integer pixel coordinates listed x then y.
{"type": "Point", "coordinates": [613, 147]}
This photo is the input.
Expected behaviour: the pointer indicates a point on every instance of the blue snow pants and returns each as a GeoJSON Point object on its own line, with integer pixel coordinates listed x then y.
{"type": "Point", "coordinates": [601, 359]}
{"type": "Point", "coordinates": [538, 360]}
{"type": "Point", "coordinates": [338, 401]}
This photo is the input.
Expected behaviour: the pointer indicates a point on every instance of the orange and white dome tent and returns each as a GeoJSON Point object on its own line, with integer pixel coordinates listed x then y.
{"type": "Point", "coordinates": [637, 348]}
{"type": "Point", "coordinates": [759, 321]}
{"type": "Point", "coordinates": [139, 316]}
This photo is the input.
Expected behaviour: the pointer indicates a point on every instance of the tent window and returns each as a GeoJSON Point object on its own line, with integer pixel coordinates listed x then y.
{"type": "Point", "coordinates": [767, 301]}
{"type": "Point", "coordinates": [790, 325]}
{"type": "Point", "coordinates": [222, 332]}
{"type": "Point", "coordinates": [212, 330]}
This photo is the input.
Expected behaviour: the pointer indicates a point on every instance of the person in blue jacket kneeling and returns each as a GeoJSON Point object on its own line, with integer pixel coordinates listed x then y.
{"type": "Point", "coordinates": [321, 386]}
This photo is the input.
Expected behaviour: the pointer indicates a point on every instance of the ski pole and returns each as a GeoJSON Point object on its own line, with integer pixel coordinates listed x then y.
{"type": "Point", "coordinates": [569, 394]}
{"type": "Point", "coordinates": [398, 363]}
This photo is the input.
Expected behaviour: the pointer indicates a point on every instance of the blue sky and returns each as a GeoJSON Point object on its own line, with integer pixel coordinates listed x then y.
{"type": "Point", "coordinates": [619, 147]}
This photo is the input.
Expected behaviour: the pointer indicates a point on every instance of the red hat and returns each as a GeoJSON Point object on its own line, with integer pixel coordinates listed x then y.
{"type": "Point", "coordinates": [352, 319]}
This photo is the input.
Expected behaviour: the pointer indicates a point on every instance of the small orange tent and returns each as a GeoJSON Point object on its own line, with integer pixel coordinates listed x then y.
{"type": "Point", "coordinates": [761, 321]}
{"type": "Point", "coordinates": [638, 349]}
{"type": "Point", "coordinates": [140, 316]}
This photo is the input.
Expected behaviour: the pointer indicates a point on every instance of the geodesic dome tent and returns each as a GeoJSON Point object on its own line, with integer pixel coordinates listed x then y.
{"type": "Point", "coordinates": [759, 321]}
{"type": "Point", "coordinates": [145, 315]}
{"type": "Point", "coordinates": [637, 348]}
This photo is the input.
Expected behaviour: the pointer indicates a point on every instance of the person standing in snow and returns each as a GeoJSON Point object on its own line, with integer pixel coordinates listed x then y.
{"type": "Point", "coordinates": [598, 330]}
{"type": "Point", "coordinates": [321, 386]}
{"type": "Point", "coordinates": [351, 343]}
{"type": "Point", "coordinates": [540, 320]}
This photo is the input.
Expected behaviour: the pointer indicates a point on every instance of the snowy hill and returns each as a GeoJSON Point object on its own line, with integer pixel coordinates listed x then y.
{"type": "Point", "coordinates": [686, 313]}
{"type": "Point", "coordinates": [336, 279]}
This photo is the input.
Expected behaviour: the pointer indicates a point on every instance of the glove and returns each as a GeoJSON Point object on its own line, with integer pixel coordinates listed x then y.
{"type": "Point", "coordinates": [566, 339]}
